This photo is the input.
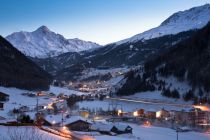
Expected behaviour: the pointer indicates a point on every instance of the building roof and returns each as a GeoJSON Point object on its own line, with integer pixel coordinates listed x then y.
{"type": "Point", "coordinates": [3, 94]}
{"type": "Point", "coordinates": [57, 119]}
{"type": "Point", "coordinates": [108, 127]}
{"type": "Point", "coordinates": [102, 127]}
{"type": "Point", "coordinates": [121, 127]}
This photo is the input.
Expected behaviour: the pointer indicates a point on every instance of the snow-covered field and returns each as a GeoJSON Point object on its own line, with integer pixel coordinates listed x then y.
{"type": "Point", "coordinates": [156, 133]}
{"type": "Point", "coordinates": [125, 105]}
{"type": "Point", "coordinates": [16, 99]}
{"type": "Point", "coordinates": [141, 132]}
{"type": "Point", "coordinates": [156, 96]}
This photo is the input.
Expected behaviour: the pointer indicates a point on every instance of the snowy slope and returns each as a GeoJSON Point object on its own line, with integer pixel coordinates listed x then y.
{"type": "Point", "coordinates": [194, 18]}
{"type": "Point", "coordinates": [43, 43]}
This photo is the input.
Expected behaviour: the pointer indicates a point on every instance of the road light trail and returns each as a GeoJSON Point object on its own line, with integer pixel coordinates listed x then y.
{"type": "Point", "coordinates": [204, 108]}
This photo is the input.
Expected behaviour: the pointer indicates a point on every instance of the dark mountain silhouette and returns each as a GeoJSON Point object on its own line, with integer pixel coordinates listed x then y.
{"type": "Point", "coordinates": [16, 70]}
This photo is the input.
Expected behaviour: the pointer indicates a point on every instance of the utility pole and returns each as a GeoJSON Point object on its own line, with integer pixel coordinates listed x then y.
{"type": "Point", "coordinates": [177, 134]}
{"type": "Point", "coordinates": [62, 117]}
{"type": "Point", "coordinates": [37, 104]}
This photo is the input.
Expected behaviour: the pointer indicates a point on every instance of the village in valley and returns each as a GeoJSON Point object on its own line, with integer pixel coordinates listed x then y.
{"type": "Point", "coordinates": [81, 110]}
{"type": "Point", "coordinates": [104, 70]}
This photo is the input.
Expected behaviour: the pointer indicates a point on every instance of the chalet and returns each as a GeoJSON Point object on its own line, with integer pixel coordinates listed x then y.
{"type": "Point", "coordinates": [51, 120]}
{"type": "Point", "coordinates": [123, 129]}
{"type": "Point", "coordinates": [150, 114]}
{"type": "Point", "coordinates": [84, 113]}
{"type": "Point", "coordinates": [140, 112]}
{"type": "Point", "coordinates": [39, 107]}
{"type": "Point", "coordinates": [2, 118]}
{"type": "Point", "coordinates": [4, 96]}
{"type": "Point", "coordinates": [75, 123]}
{"type": "Point", "coordinates": [180, 117]}
{"type": "Point", "coordinates": [196, 117]}
{"type": "Point", "coordinates": [111, 129]}
{"type": "Point", "coordinates": [41, 93]}
{"type": "Point", "coordinates": [24, 109]}
{"type": "Point", "coordinates": [162, 114]}
{"type": "Point", "coordinates": [7, 121]}
{"type": "Point", "coordinates": [104, 128]}
{"type": "Point", "coordinates": [60, 105]}
{"type": "Point", "coordinates": [1, 106]}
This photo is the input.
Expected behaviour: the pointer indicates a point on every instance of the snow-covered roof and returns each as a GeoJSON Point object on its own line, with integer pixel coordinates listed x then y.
{"type": "Point", "coordinates": [3, 94]}
{"type": "Point", "coordinates": [101, 127]}
{"type": "Point", "coordinates": [74, 119]}
{"type": "Point", "coordinates": [107, 127]}
{"type": "Point", "coordinates": [58, 119]}
{"type": "Point", "coordinates": [121, 127]}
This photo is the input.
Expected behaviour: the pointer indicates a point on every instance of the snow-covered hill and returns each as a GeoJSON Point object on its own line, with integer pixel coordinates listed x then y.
{"type": "Point", "coordinates": [194, 18]}
{"type": "Point", "coordinates": [43, 43]}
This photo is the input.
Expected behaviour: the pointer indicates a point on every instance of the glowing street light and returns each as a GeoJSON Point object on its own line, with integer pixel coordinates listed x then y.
{"type": "Point", "coordinates": [119, 112]}
{"type": "Point", "coordinates": [158, 114]}
{"type": "Point", "coordinates": [53, 122]}
{"type": "Point", "coordinates": [135, 114]}
{"type": "Point", "coordinates": [64, 127]}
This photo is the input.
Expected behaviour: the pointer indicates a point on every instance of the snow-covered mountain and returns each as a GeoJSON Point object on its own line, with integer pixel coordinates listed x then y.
{"type": "Point", "coordinates": [194, 18]}
{"type": "Point", "coordinates": [43, 43]}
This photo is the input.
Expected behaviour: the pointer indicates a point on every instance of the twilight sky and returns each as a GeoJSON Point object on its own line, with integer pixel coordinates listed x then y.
{"type": "Point", "coordinates": [101, 21]}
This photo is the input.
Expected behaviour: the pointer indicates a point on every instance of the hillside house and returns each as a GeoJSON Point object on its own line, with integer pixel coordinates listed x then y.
{"type": "Point", "coordinates": [162, 114]}
{"type": "Point", "coordinates": [180, 117]}
{"type": "Point", "coordinates": [24, 109]}
{"type": "Point", "coordinates": [196, 117]}
{"type": "Point", "coordinates": [1, 106]}
{"type": "Point", "coordinates": [4, 96]}
{"type": "Point", "coordinates": [150, 114]}
{"type": "Point", "coordinates": [111, 128]}
{"type": "Point", "coordinates": [76, 123]}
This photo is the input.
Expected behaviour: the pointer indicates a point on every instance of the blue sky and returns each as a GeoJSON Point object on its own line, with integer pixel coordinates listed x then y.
{"type": "Point", "coordinates": [101, 21]}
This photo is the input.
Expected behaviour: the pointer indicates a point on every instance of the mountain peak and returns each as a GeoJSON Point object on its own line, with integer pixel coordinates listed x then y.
{"type": "Point", "coordinates": [44, 43]}
{"type": "Point", "coordinates": [43, 28]}
{"type": "Point", "coordinates": [195, 14]}
{"type": "Point", "coordinates": [191, 19]}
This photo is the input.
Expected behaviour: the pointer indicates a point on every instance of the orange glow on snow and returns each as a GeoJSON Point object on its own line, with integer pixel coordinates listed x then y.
{"type": "Point", "coordinates": [202, 107]}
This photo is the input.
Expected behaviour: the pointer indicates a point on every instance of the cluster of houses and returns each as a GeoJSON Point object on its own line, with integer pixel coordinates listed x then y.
{"type": "Point", "coordinates": [191, 117]}
{"type": "Point", "coordinates": [78, 123]}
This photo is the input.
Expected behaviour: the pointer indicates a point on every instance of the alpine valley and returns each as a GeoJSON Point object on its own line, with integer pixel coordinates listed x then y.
{"type": "Point", "coordinates": [154, 85]}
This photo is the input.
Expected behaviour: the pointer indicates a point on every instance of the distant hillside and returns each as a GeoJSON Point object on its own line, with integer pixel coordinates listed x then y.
{"type": "Point", "coordinates": [68, 65]}
{"type": "Point", "coordinates": [188, 61]}
{"type": "Point", "coordinates": [16, 70]}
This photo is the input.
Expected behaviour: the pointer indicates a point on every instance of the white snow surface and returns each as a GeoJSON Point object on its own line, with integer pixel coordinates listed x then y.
{"type": "Point", "coordinates": [25, 133]}
{"type": "Point", "coordinates": [155, 133]}
{"type": "Point", "coordinates": [16, 99]}
{"type": "Point", "coordinates": [43, 43]}
{"type": "Point", "coordinates": [194, 18]}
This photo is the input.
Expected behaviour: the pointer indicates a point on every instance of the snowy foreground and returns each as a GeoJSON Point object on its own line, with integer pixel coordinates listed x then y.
{"type": "Point", "coordinates": [139, 133]}
{"type": "Point", "coordinates": [26, 133]}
